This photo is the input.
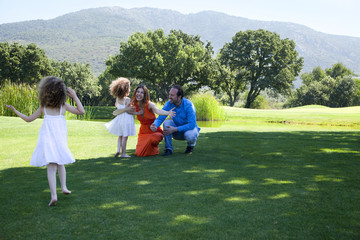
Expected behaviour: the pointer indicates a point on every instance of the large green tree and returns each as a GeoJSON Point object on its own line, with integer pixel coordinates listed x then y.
{"type": "Point", "coordinates": [29, 64]}
{"type": "Point", "coordinates": [315, 75]}
{"type": "Point", "coordinates": [23, 64]}
{"type": "Point", "coordinates": [262, 61]}
{"type": "Point", "coordinates": [227, 81]}
{"type": "Point", "coordinates": [339, 70]}
{"type": "Point", "coordinates": [79, 77]}
{"type": "Point", "coordinates": [161, 61]}
{"type": "Point", "coordinates": [334, 87]}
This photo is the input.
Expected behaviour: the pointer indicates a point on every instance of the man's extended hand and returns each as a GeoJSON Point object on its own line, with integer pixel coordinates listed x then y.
{"type": "Point", "coordinates": [170, 130]}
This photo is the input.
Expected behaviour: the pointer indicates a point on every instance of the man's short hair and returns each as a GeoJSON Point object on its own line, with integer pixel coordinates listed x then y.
{"type": "Point", "coordinates": [180, 91]}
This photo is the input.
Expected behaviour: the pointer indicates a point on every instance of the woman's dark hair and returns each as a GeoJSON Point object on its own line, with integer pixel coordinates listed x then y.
{"type": "Point", "coordinates": [145, 99]}
{"type": "Point", "coordinates": [52, 92]}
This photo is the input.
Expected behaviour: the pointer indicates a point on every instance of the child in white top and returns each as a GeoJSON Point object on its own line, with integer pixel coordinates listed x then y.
{"type": "Point", "coordinates": [122, 125]}
{"type": "Point", "coordinates": [52, 149]}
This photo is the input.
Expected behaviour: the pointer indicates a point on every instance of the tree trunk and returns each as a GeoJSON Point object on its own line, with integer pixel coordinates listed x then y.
{"type": "Point", "coordinates": [232, 102]}
{"type": "Point", "coordinates": [249, 99]}
{"type": "Point", "coordinates": [248, 103]}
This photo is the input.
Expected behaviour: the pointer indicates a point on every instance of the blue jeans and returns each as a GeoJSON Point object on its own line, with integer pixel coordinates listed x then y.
{"type": "Point", "coordinates": [190, 136]}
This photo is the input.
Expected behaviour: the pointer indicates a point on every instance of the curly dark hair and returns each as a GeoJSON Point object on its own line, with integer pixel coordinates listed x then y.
{"type": "Point", "coordinates": [145, 100]}
{"type": "Point", "coordinates": [52, 92]}
{"type": "Point", "coordinates": [120, 87]}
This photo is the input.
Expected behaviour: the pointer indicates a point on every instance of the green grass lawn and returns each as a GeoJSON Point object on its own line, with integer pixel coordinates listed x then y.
{"type": "Point", "coordinates": [313, 115]}
{"type": "Point", "coordinates": [264, 174]}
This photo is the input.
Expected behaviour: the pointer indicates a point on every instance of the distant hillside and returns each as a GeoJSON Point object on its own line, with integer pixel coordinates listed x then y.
{"type": "Point", "coordinates": [91, 35]}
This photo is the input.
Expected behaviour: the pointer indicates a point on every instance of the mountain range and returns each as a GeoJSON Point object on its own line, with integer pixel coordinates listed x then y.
{"type": "Point", "coordinates": [91, 35]}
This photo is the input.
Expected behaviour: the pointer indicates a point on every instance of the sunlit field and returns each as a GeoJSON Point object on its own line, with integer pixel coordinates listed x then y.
{"type": "Point", "coordinates": [263, 174]}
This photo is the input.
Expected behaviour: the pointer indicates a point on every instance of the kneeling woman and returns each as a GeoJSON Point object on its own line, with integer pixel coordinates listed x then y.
{"type": "Point", "coordinates": [148, 141]}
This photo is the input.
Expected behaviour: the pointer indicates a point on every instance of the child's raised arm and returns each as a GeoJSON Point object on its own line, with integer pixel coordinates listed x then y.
{"type": "Point", "coordinates": [79, 109]}
{"type": "Point", "coordinates": [128, 109]}
{"type": "Point", "coordinates": [140, 112]}
{"type": "Point", "coordinates": [24, 117]}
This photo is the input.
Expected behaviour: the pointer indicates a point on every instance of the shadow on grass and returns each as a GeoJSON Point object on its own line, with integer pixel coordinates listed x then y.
{"type": "Point", "coordinates": [236, 185]}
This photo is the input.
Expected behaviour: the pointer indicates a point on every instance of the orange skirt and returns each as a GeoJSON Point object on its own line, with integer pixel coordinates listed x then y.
{"type": "Point", "coordinates": [148, 142]}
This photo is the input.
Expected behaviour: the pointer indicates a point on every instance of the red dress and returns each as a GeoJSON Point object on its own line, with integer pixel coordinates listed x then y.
{"type": "Point", "coordinates": [148, 141]}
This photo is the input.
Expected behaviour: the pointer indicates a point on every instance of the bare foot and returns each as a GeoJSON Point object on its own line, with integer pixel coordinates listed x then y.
{"type": "Point", "coordinates": [117, 154]}
{"type": "Point", "coordinates": [52, 202]}
{"type": "Point", "coordinates": [66, 192]}
{"type": "Point", "coordinates": [125, 155]}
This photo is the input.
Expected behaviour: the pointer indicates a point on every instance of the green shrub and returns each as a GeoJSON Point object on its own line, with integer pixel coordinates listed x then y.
{"type": "Point", "coordinates": [207, 108]}
{"type": "Point", "coordinates": [22, 96]}
{"type": "Point", "coordinates": [260, 103]}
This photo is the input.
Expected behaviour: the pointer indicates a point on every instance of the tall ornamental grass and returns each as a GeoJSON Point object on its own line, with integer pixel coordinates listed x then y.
{"type": "Point", "coordinates": [89, 112]}
{"type": "Point", "coordinates": [208, 108]}
{"type": "Point", "coordinates": [22, 96]}
{"type": "Point", "coordinates": [25, 99]}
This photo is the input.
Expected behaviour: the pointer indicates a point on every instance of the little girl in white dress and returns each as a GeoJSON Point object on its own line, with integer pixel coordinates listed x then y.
{"type": "Point", "coordinates": [123, 125]}
{"type": "Point", "coordinates": [52, 144]}
{"type": "Point", "coordinates": [52, 149]}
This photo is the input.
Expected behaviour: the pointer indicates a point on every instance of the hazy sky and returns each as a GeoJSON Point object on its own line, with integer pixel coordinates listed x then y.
{"type": "Point", "coordinates": [341, 17]}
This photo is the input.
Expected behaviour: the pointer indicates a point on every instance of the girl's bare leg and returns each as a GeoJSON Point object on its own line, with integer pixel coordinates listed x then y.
{"type": "Point", "coordinates": [62, 176]}
{"type": "Point", "coordinates": [51, 174]}
{"type": "Point", "coordinates": [118, 146]}
{"type": "Point", "coordinates": [123, 149]}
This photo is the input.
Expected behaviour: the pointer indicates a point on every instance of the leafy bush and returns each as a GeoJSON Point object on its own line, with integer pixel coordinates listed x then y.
{"type": "Point", "coordinates": [22, 96]}
{"type": "Point", "coordinates": [207, 108]}
{"type": "Point", "coordinates": [260, 102]}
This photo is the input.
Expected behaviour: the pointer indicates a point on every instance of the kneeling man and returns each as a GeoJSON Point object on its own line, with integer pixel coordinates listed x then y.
{"type": "Point", "coordinates": [183, 126]}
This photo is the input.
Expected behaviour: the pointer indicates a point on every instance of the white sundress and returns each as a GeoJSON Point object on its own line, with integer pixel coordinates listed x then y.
{"type": "Point", "coordinates": [52, 144]}
{"type": "Point", "coordinates": [123, 124]}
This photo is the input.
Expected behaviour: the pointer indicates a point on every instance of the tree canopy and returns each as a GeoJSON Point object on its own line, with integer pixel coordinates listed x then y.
{"type": "Point", "coordinates": [23, 64]}
{"type": "Point", "coordinates": [227, 81]}
{"type": "Point", "coordinates": [29, 64]}
{"type": "Point", "coordinates": [161, 61]}
{"type": "Point", "coordinates": [79, 77]}
{"type": "Point", "coordinates": [334, 87]}
{"type": "Point", "coordinates": [261, 60]}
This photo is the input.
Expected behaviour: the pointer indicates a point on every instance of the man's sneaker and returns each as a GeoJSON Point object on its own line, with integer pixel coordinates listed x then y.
{"type": "Point", "coordinates": [189, 149]}
{"type": "Point", "coordinates": [167, 152]}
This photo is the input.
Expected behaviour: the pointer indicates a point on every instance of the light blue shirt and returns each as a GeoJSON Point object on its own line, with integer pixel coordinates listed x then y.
{"type": "Point", "coordinates": [185, 118]}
